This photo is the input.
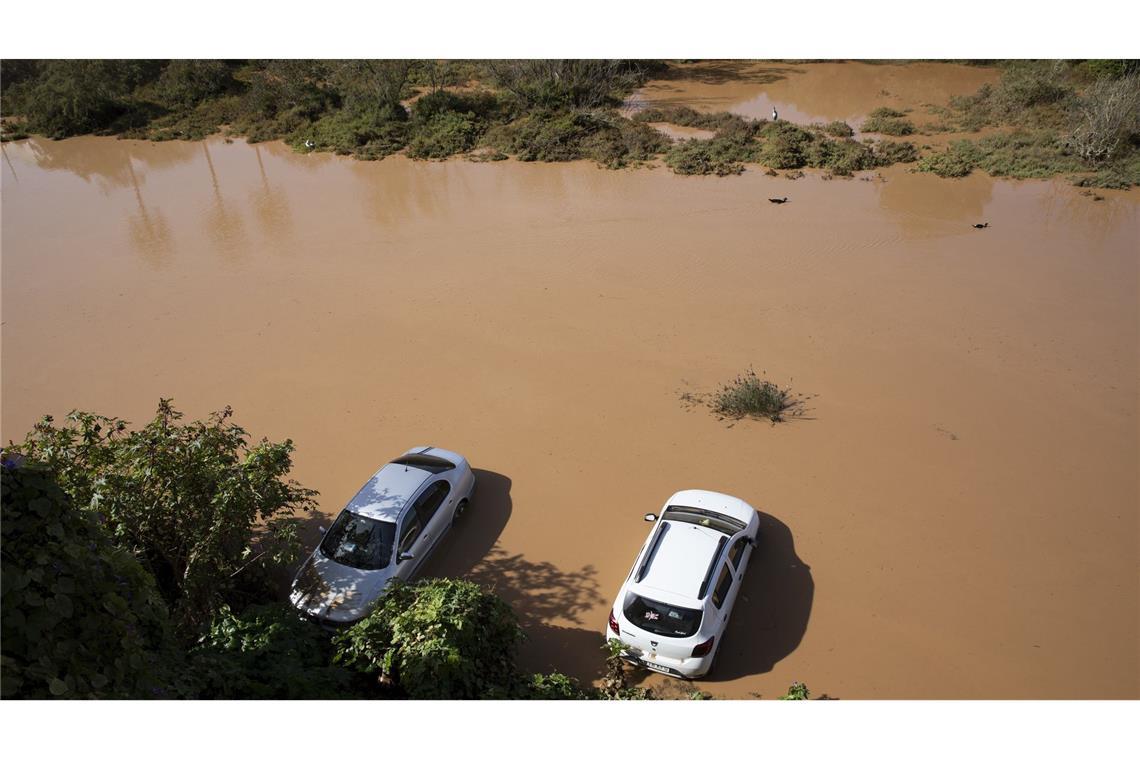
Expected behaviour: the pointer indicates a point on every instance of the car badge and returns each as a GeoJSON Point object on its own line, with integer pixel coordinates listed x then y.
{"type": "Point", "coordinates": [653, 644]}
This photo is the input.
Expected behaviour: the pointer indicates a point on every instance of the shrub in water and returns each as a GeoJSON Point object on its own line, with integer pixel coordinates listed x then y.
{"type": "Point", "coordinates": [752, 396]}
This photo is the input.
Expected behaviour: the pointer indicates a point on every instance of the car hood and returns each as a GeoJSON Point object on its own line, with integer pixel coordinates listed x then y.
{"type": "Point", "coordinates": [331, 591]}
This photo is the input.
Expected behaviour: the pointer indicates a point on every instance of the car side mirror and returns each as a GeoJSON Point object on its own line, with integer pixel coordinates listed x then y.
{"type": "Point", "coordinates": [405, 555]}
{"type": "Point", "coordinates": [650, 517]}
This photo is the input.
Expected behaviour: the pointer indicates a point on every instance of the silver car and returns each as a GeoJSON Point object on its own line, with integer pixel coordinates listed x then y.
{"type": "Point", "coordinates": [386, 531]}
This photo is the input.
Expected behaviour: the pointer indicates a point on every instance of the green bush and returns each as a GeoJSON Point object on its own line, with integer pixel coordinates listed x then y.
{"type": "Point", "coordinates": [752, 396]}
{"type": "Point", "coordinates": [184, 84]}
{"type": "Point", "coordinates": [81, 617]}
{"type": "Point", "coordinates": [796, 692]}
{"type": "Point", "coordinates": [438, 639]}
{"type": "Point", "coordinates": [838, 129]}
{"type": "Point", "coordinates": [889, 152]}
{"type": "Point", "coordinates": [619, 142]}
{"type": "Point", "coordinates": [957, 160]}
{"type": "Point", "coordinates": [888, 121]}
{"type": "Point", "coordinates": [266, 652]}
{"type": "Point", "coordinates": [556, 686]}
{"type": "Point", "coordinates": [785, 145]}
{"type": "Point", "coordinates": [718, 156]}
{"type": "Point", "coordinates": [444, 134]}
{"type": "Point", "coordinates": [841, 157]}
{"type": "Point", "coordinates": [208, 514]}
{"type": "Point", "coordinates": [685, 116]}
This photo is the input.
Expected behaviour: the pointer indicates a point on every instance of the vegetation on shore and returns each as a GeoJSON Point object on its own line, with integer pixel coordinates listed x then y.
{"type": "Point", "coordinates": [148, 563]}
{"type": "Point", "coordinates": [1079, 118]}
{"type": "Point", "coordinates": [1048, 118]}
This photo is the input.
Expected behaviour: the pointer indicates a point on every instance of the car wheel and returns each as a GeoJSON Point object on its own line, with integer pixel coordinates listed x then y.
{"type": "Point", "coordinates": [459, 510]}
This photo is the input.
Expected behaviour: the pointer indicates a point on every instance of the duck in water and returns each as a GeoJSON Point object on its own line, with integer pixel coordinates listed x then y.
{"type": "Point", "coordinates": [777, 200]}
{"type": "Point", "coordinates": [981, 226]}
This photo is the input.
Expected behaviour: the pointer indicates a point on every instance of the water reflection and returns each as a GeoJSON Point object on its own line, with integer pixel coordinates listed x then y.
{"type": "Point", "coordinates": [149, 232]}
{"type": "Point", "coordinates": [270, 204]}
{"type": "Point", "coordinates": [922, 207]}
{"type": "Point", "coordinates": [8, 161]}
{"type": "Point", "coordinates": [223, 225]}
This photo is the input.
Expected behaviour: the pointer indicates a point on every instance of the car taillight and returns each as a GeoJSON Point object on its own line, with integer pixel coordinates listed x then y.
{"type": "Point", "coordinates": [613, 624]}
{"type": "Point", "coordinates": [700, 650]}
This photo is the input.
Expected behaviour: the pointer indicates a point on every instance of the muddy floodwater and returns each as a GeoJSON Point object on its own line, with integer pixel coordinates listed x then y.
{"type": "Point", "coordinates": [954, 517]}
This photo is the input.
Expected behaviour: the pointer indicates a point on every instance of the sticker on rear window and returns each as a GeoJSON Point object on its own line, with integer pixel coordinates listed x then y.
{"type": "Point", "coordinates": [651, 615]}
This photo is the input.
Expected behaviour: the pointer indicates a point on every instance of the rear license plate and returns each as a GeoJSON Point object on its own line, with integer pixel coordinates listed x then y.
{"type": "Point", "coordinates": [658, 668]}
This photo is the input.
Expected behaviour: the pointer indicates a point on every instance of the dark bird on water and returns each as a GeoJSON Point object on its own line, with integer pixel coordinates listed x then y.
{"type": "Point", "coordinates": [777, 200]}
{"type": "Point", "coordinates": [981, 226]}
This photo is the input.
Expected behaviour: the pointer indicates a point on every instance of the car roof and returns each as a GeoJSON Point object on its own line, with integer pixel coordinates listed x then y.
{"type": "Point", "coordinates": [386, 492]}
{"type": "Point", "coordinates": [681, 559]}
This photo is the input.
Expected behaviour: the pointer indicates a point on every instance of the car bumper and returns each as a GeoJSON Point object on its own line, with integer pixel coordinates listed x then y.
{"type": "Point", "coordinates": [688, 668]}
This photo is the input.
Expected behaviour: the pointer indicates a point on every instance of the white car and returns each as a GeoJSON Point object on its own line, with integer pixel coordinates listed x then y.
{"type": "Point", "coordinates": [673, 609]}
{"type": "Point", "coordinates": [386, 531]}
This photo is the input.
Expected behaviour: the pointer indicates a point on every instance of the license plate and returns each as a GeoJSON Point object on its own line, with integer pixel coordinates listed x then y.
{"type": "Point", "coordinates": [658, 668]}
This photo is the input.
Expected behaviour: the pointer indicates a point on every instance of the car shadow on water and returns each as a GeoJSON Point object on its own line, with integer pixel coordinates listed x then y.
{"type": "Point", "coordinates": [772, 609]}
{"type": "Point", "coordinates": [539, 592]}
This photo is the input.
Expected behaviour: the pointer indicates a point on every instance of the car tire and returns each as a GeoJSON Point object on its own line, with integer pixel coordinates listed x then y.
{"type": "Point", "coordinates": [459, 510]}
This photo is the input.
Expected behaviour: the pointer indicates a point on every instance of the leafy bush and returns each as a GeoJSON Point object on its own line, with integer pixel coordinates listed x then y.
{"type": "Point", "coordinates": [205, 511]}
{"type": "Point", "coordinates": [556, 84]}
{"type": "Point", "coordinates": [838, 129]}
{"type": "Point", "coordinates": [957, 160]}
{"type": "Point", "coordinates": [438, 639]}
{"type": "Point", "coordinates": [266, 652]}
{"type": "Point", "coordinates": [444, 134]}
{"type": "Point", "coordinates": [889, 152]}
{"type": "Point", "coordinates": [619, 142]}
{"type": "Point", "coordinates": [796, 692]}
{"type": "Point", "coordinates": [73, 97]}
{"type": "Point", "coordinates": [752, 396]}
{"type": "Point", "coordinates": [556, 686]}
{"type": "Point", "coordinates": [685, 116]}
{"type": "Point", "coordinates": [785, 145]}
{"type": "Point", "coordinates": [186, 83]}
{"type": "Point", "coordinates": [718, 156]}
{"type": "Point", "coordinates": [888, 121]}
{"type": "Point", "coordinates": [81, 617]}
{"type": "Point", "coordinates": [842, 157]}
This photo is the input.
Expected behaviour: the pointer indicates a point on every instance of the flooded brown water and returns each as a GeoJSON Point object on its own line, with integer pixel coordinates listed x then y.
{"type": "Point", "coordinates": [807, 93]}
{"type": "Point", "coordinates": [956, 517]}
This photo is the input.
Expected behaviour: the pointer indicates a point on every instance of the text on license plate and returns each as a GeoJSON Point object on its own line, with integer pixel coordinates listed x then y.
{"type": "Point", "coordinates": [658, 668]}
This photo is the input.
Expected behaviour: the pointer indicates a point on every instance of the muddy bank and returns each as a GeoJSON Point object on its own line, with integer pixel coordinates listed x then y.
{"type": "Point", "coordinates": [957, 518]}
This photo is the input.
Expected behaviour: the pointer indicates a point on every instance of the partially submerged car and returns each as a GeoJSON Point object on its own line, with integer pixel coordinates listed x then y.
{"type": "Point", "coordinates": [672, 610]}
{"type": "Point", "coordinates": [387, 531]}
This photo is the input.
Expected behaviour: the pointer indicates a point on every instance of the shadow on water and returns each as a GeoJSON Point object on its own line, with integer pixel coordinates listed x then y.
{"type": "Point", "coordinates": [477, 530]}
{"type": "Point", "coordinates": [538, 591]}
{"type": "Point", "coordinates": [772, 610]}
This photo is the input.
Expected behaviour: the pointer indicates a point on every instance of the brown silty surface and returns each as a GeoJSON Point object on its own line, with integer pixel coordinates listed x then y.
{"type": "Point", "coordinates": [955, 517]}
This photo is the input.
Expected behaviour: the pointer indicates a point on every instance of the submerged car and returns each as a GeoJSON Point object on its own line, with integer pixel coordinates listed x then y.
{"type": "Point", "coordinates": [672, 610]}
{"type": "Point", "coordinates": [387, 531]}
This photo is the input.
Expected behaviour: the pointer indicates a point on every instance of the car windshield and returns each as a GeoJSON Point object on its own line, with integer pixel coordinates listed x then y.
{"type": "Point", "coordinates": [359, 541]}
{"type": "Point", "coordinates": [662, 619]}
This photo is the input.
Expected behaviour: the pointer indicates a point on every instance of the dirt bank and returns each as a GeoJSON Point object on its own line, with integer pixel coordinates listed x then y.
{"type": "Point", "coordinates": [956, 518]}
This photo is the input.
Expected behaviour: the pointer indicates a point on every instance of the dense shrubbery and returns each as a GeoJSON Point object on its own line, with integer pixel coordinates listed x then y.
{"type": "Point", "coordinates": [81, 617]}
{"type": "Point", "coordinates": [888, 121]}
{"type": "Point", "coordinates": [267, 652]}
{"type": "Point", "coordinates": [438, 639]}
{"type": "Point", "coordinates": [205, 512]}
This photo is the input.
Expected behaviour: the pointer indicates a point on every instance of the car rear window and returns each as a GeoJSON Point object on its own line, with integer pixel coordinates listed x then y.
{"type": "Point", "coordinates": [723, 523]}
{"type": "Point", "coordinates": [434, 465]}
{"type": "Point", "coordinates": [662, 619]}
